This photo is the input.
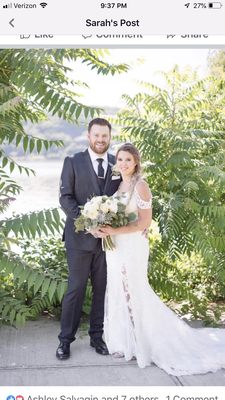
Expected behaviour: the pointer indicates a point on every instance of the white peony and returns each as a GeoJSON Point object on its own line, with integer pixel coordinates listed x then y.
{"type": "Point", "coordinates": [91, 209]}
{"type": "Point", "coordinates": [93, 213]}
{"type": "Point", "coordinates": [96, 201]}
{"type": "Point", "coordinates": [113, 205]}
{"type": "Point", "coordinates": [104, 207]}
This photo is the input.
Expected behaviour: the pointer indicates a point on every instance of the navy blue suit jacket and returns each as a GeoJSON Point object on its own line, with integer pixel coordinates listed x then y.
{"type": "Point", "coordinates": [79, 182]}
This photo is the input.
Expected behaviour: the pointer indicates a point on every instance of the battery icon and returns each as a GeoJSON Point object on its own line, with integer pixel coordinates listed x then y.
{"type": "Point", "coordinates": [215, 4]}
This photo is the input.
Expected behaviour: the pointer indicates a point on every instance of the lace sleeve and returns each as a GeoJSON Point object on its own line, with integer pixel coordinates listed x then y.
{"type": "Point", "coordinates": [142, 203]}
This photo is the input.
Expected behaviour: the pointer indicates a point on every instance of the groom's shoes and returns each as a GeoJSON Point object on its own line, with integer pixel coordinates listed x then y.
{"type": "Point", "coordinates": [63, 351]}
{"type": "Point", "coordinates": [100, 346]}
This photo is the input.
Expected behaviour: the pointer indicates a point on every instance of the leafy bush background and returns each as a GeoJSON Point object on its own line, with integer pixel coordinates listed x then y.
{"type": "Point", "coordinates": [186, 285]}
{"type": "Point", "coordinates": [33, 85]}
{"type": "Point", "coordinates": [180, 133]}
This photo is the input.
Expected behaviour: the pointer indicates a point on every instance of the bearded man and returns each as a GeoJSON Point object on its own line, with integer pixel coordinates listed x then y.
{"type": "Point", "coordinates": [85, 174]}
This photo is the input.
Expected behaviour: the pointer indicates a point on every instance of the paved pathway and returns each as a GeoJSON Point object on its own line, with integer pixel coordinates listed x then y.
{"type": "Point", "coordinates": [27, 357]}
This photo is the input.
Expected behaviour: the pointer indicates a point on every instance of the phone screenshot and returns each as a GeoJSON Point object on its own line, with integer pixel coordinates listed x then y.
{"type": "Point", "coordinates": [112, 201]}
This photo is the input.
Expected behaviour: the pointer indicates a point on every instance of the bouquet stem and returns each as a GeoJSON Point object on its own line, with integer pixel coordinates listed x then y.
{"type": "Point", "coordinates": [107, 243]}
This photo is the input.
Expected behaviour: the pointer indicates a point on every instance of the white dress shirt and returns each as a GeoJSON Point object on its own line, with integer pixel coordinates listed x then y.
{"type": "Point", "coordinates": [94, 161]}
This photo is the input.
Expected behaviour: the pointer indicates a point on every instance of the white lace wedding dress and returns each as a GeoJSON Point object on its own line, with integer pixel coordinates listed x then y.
{"type": "Point", "coordinates": [138, 324]}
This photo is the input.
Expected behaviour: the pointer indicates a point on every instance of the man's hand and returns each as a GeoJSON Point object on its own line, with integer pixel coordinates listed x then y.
{"type": "Point", "coordinates": [102, 235]}
{"type": "Point", "coordinates": [93, 232]}
{"type": "Point", "coordinates": [97, 233]}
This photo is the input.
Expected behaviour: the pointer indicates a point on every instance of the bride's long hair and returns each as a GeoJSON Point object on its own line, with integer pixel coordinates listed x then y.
{"type": "Point", "coordinates": [130, 148]}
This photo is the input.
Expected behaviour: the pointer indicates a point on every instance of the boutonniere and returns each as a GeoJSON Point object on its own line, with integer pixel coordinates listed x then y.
{"type": "Point", "coordinates": [115, 173]}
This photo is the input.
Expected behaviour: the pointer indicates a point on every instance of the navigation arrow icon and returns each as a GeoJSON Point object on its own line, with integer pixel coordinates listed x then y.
{"type": "Point", "coordinates": [11, 22]}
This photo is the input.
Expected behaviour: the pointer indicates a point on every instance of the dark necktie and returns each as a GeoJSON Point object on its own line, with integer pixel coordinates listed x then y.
{"type": "Point", "coordinates": [101, 174]}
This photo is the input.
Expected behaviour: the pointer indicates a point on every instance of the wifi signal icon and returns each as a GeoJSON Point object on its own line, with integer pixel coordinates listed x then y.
{"type": "Point", "coordinates": [43, 5]}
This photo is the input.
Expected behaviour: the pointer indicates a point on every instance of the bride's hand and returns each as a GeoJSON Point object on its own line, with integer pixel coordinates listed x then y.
{"type": "Point", "coordinates": [108, 230]}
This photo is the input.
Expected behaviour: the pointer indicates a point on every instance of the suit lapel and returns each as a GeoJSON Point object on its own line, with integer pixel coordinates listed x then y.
{"type": "Point", "coordinates": [92, 175]}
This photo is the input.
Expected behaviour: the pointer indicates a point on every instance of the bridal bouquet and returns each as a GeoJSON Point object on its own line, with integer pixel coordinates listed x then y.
{"type": "Point", "coordinates": [103, 210]}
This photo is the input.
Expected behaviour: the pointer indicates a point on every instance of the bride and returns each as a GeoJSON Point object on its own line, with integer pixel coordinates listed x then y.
{"type": "Point", "coordinates": [137, 323]}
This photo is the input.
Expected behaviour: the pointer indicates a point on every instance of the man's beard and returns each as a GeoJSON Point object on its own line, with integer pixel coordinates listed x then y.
{"type": "Point", "coordinates": [99, 151]}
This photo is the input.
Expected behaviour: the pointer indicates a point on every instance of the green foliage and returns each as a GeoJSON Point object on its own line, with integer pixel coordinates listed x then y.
{"type": "Point", "coordinates": [35, 284]}
{"type": "Point", "coordinates": [216, 61]}
{"type": "Point", "coordinates": [188, 284]}
{"type": "Point", "coordinates": [34, 84]}
{"type": "Point", "coordinates": [182, 145]}
{"type": "Point", "coordinates": [48, 257]}
{"type": "Point", "coordinates": [180, 133]}
{"type": "Point", "coordinates": [32, 224]}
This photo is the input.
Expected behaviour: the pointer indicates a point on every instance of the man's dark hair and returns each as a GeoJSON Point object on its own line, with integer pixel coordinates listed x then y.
{"type": "Point", "coordinates": [99, 121]}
